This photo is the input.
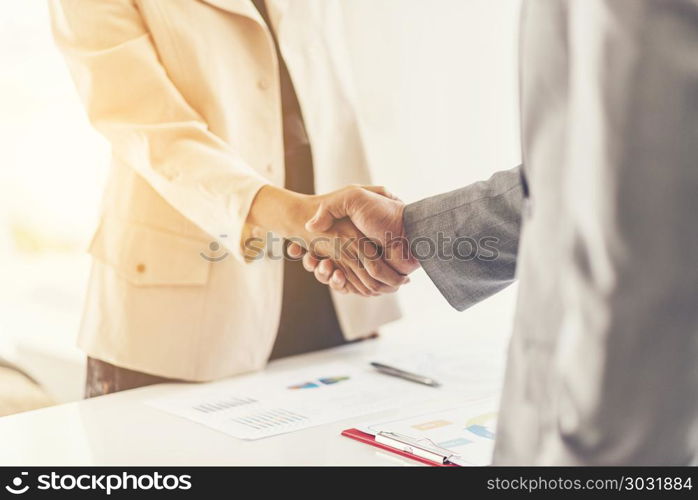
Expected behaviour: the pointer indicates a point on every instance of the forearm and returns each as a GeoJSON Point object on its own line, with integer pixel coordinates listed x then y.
{"type": "Point", "coordinates": [281, 211]}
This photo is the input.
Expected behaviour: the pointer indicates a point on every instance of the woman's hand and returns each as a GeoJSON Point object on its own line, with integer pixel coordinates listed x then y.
{"type": "Point", "coordinates": [325, 271]}
{"type": "Point", "coordinates": [285, 213]}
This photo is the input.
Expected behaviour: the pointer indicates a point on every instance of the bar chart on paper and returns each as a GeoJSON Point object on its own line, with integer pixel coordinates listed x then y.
{"type": "Point", "coordinates": [467, 430]}
{"type": "Point", "coordinates": [277, 404]}
{"type": "Point", "coordinates": [314, 384]}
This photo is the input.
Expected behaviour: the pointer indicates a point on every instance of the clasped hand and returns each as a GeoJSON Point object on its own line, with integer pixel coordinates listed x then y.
{"type": "Point", "coordinates": [383, 256]}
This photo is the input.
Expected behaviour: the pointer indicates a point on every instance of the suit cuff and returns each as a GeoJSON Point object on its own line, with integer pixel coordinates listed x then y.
{"type": "Point", "coordinates": [422, 235]}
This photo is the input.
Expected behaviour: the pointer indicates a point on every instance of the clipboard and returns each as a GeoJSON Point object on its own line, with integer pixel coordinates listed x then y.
{"type": "Point", "coordinates": [406, 446]}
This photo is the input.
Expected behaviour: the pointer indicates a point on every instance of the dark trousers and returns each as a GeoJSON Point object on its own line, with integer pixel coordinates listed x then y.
{"type": "Point", "coordinates": [105, 378]}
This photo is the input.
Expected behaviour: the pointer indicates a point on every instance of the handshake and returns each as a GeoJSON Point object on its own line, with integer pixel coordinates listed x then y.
{"type": "Point", "coordinates": [371, 254]}
{"type": "Point", "coordinates": [351, 239]}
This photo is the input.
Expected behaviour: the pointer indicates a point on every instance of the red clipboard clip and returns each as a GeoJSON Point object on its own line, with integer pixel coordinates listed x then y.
{"type": "Point", "coordinates": [424, 450]}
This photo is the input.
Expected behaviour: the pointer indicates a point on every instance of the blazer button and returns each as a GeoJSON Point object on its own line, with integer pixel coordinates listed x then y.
{"type": "Point", "coordinates": [268, 167]}
{"type": "Point", "coordinates": [170, 174]}
{"type": "Point", "coordinates": [263, 84]}
{"type": "Point", "coordinates": [140, 268]}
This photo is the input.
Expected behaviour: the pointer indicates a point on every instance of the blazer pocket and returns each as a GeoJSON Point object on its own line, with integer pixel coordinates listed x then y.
{"type": "Point", "coordinates": [148, 257]}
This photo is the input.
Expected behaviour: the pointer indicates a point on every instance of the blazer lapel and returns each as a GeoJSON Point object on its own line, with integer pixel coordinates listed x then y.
{"type": "Point", "coordinates": [241, 7]}
{"type": "Point", "coordinates": [277, 9]}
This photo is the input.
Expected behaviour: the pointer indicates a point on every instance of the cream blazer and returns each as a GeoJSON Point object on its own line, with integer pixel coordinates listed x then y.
{"type": "Point", "coordinates": [187, 93]}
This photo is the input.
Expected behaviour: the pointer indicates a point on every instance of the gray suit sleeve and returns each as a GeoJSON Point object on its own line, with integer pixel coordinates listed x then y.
{"type": "Point", "coordinates": [467, 240]}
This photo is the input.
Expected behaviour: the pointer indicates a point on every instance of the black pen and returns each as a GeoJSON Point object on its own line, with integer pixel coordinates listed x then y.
{"type": "Point", "coordinates": [396, 372]}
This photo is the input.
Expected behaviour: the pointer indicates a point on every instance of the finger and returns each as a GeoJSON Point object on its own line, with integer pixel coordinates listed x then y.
{"type": "Point", "coordinates": [354, 271]}
{"type": "Point", "coordinates": [349, 288]}
{"type": "Point", "coordinates": [338, 280]}
{"type": "Point", "coordinates": [294, 250]}
{"type": "Point", "coordinates": [357, 283]}
{"type": "Point", "coordinates": [322, 278]}
{"type": "Point", "coordinates": [381, 190]}
{"type": "Point", "coordinates": [339, 283]}
{"type": "Point", "coordinates": [354, 280]}
{"type": "Point", "coordinates": [310, 262]}
{"type": "Point", "coordinates": [324, 270]}
{"type": "Point", "coordinates": [353, 255]}
{"type": "Point", "coordinates": [375, 286]}
{"type": "Point", "coordinates": [373, 262]}
{"type": "Point", "coordinates": [384, 273]}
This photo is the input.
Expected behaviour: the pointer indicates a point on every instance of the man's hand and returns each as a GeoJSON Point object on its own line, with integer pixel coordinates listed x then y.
{"type": "Point", "coordinates": [378, 215]}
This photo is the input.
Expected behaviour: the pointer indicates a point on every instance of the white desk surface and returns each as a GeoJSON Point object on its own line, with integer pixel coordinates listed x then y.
{"type": "Point", "coordinates": [119, 429]}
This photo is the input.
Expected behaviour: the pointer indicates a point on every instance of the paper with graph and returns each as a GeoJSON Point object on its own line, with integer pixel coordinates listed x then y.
{"type": "Point", "coordinates": [467, 429]}
{"type": "Point", "coordinates": [271, 404]}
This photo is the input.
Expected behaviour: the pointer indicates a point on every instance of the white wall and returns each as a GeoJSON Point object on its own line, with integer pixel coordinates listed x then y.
{"type": "Point", "coordinates": [437, 87]}
{"type": "Point", "coordinates": [52, 166]}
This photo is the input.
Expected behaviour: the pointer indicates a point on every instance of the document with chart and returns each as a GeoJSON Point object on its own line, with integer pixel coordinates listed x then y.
{"type": "Point", "coordinates": [467, 430]}
{"type": "Point", "coordinates": [269, 404]}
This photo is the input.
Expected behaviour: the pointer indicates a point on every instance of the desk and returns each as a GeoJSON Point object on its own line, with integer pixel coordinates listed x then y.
{"type": "Point", "coordinates": [119, 429]}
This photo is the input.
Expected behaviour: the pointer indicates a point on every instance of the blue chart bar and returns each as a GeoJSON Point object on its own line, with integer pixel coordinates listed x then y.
{"type": "Point", "coordinates": [480, 430]}
{"type": "Point", "coordinates": [313, 384]}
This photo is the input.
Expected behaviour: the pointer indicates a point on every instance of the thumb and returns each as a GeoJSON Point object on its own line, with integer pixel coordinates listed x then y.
{"type": "Point", "coordinates": [333, 207]}
{"type": "Point", "coordinates": [381, 190]}
{"type": "Point", "coordinates": [322, 220]}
